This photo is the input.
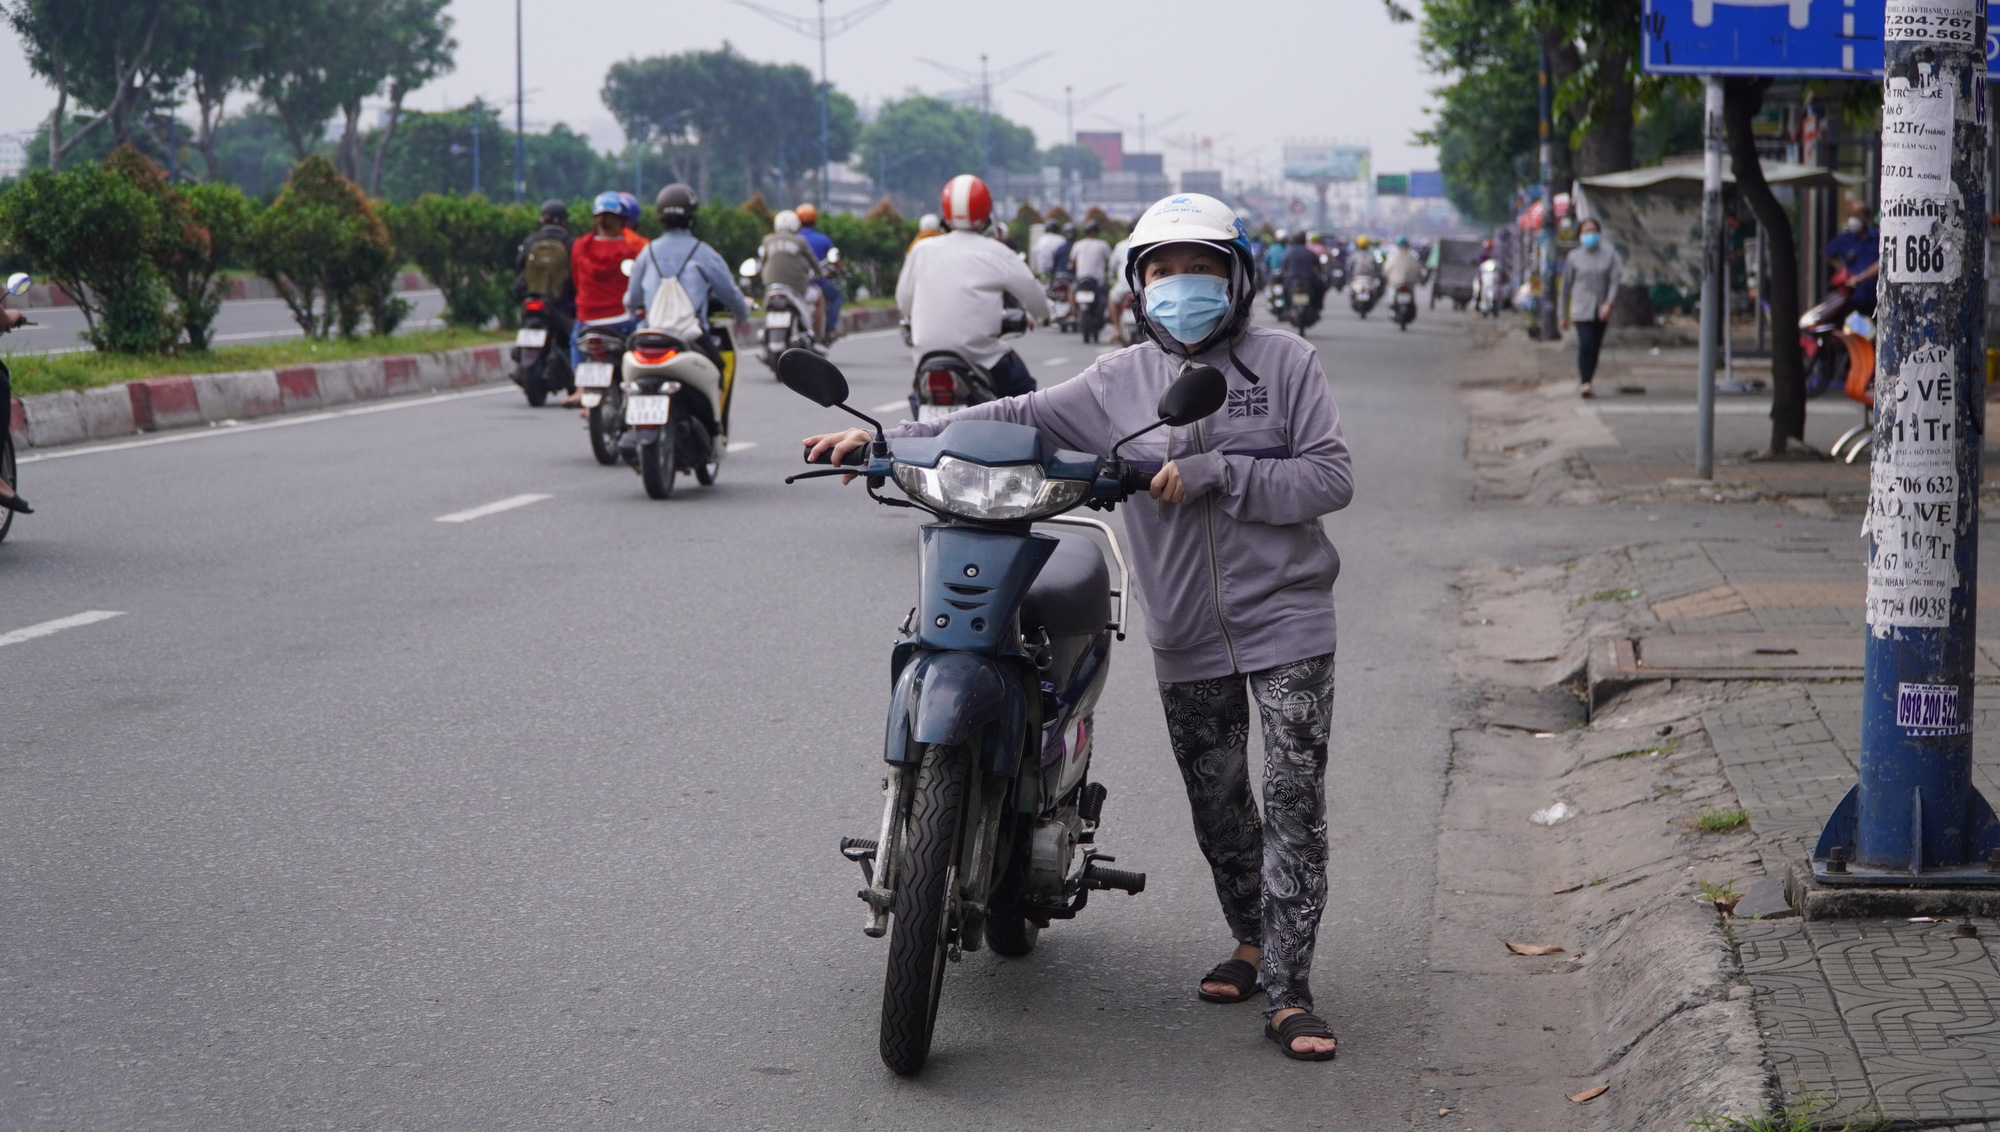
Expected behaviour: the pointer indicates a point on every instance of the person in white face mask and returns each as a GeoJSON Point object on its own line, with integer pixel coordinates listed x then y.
{"type": "Point", "coordinates": [1858, 248]}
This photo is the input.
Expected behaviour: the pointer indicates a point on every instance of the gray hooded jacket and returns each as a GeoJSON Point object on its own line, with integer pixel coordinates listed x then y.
{"type": "Point", "coordinates": [1239, 578]}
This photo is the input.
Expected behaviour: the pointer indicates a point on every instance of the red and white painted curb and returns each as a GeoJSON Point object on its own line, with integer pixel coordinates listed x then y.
{"type": "Point", "coordinates": [108, 412]}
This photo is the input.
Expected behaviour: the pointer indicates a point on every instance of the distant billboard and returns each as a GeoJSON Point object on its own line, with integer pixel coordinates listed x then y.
{"type": "Point", "coordinates": [1427, 184]}
{"type": "Point", "coordinates": [1392, 185]}
{"type": "Point", "coordinates": [1327, 162]}
{"type": "Point", "coordinates": [1207, 181]}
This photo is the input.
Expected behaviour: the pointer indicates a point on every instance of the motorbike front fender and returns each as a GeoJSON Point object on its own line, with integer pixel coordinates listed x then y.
{"type": "Point", "coordinates": [954, 698]}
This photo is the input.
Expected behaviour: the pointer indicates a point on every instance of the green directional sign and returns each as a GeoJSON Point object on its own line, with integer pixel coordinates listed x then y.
{"type": "Point", "coordinates": [1392, 184]}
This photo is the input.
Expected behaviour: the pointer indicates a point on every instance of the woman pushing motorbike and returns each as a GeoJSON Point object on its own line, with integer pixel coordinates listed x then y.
{"type": "Point", "coordinates": [1236, 577]}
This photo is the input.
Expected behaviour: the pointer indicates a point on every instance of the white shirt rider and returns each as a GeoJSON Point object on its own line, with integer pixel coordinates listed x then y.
{"type": "Point", "coordinates": [950, 290]}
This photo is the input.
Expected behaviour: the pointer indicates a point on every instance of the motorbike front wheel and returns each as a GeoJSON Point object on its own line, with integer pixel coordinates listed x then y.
{"type": "Point", "coordinates": [918, 933]}
{"type": "Point", "coordinates": [11, 474]}
{"type": "Point", "coordinates": [656, 465]}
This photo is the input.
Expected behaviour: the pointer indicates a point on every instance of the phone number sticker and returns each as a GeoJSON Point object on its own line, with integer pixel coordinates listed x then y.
{"type": "Point", "coordinates": [1921, 241]}
{"type": "Point", "coordinates": [1955, 23]}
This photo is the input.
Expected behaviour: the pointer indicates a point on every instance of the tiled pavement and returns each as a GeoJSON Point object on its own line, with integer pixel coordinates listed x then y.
{"type": "Point", "coordinates": [1880, 1020]}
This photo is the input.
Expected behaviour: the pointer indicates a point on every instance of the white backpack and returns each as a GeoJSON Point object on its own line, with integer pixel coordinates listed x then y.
{"type": "Point", "coordinates": [670, 309]}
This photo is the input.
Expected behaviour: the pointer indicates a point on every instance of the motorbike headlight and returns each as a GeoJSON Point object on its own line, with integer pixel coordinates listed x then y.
{"type": "Point", "coordinates": [977, 491]}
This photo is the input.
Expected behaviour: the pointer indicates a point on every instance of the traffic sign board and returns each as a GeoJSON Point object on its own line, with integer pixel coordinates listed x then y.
{"type": "Point", "coordinates": [1839, 38]}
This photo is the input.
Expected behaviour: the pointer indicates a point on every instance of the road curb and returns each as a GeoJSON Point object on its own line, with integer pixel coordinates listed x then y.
{"type": "Point", "coordinates": [71, 416]}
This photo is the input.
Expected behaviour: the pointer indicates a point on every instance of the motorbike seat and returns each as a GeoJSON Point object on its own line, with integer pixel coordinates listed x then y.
{"type": "Point", "coordinates": [1072, 595]}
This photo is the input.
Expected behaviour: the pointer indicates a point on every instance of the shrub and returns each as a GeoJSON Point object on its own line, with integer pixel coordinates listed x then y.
{"type": "Point", "coordinates": [871, 247]}
{"type": "Point", "coordinates": [734, 232]}
{"type": "Point", "coordinates": [206, 228]}
{"type": "Point", "coordinates": [89, 229]}
{"type": "Point", "coordinates": [321, 243]}
{"type": "Point", "coordinates": [465, 246]}
{"type": "Point", "coordinates": [386, 309]}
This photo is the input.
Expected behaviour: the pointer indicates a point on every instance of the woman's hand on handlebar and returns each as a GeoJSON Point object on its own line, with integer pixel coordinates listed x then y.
{"type": "Point", "coordinates": [841, 444]}
{"type": "Point", "coordinates": [1167, 485]}
{"type": "Point", "coordinates": [10, 319]}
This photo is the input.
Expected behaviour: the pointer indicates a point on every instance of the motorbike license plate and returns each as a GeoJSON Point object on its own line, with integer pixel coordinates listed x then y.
{"type": "Point", "coordinates": [1301, 299]}
{"type": "Point", "coordinates": [933, 412]}
{"type": "Point", "coordinates": [648, 410]}
{"type": "Point", "coordinates": [777, 320]}
{"type": "Point", "coordinates": [593, 375]}
{"type": "Point", "coordinates": [532, 338]}
{"type": "Point", "coordinates": [1085, 298]}
{"type": "Point", "coordinates": [591, 400]}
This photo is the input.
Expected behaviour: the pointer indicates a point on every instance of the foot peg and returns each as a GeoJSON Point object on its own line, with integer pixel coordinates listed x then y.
{"type": "Point", "coordinates": [1095, 875]}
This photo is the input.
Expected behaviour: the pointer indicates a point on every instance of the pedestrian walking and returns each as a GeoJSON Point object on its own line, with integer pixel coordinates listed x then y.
{"type": "Point", "coordinates": [1236, 575]}
{"type": "Point", "coordinates": [1589, 286]}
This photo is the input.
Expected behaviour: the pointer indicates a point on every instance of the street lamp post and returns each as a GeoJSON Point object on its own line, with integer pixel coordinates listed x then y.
{"type": "Point", "coordinates": [986, 80]}
{"type": "Point", "coordinates": [823, 29]}
{"type": "Point", "coordinates": [478, 111]}
{"type": "Point", "coordinates": [520, 113]}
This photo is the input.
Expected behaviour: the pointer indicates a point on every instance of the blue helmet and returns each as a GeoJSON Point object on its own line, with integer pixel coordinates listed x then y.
{"type": "Point", "coordinates": [607, 202]}
{"type": "Point", "coordinates": [629, 207]}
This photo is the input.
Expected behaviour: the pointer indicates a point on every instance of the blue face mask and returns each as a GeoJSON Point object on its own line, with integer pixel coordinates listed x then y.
{"type": "Point", "coordinates": [1589, 239]}
{"type": "Point", "coordinates": [1189, 307]}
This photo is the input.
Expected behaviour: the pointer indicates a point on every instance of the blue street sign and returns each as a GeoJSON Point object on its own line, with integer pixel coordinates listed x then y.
{"type": "Point", "coordinates": [1835, 38]}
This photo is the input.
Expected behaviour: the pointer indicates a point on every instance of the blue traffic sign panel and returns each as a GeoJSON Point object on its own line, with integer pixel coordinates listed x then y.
{"type": "Point", "coordinates": [1840, 38]}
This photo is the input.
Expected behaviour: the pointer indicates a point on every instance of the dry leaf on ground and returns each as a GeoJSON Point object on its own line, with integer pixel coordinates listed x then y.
{"type": "Point", "coordinates": [1590, 1094]}
{"type": "Point", "coordinates": [1533, 948]}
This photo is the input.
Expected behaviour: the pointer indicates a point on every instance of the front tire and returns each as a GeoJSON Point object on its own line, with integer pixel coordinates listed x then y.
{"type": "Point", "coordinates": [917, 940]}
{"type": "Point", "coordinates": [11, 474]}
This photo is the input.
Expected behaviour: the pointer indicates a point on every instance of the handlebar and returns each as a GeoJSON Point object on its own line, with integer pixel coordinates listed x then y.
{"type": "Point", "coordinates": [856, 459]}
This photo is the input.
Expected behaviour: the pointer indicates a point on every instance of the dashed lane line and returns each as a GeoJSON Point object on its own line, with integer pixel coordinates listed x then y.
{"type": "Point", "coordinates": [48, 628]}
{"type": "Point", "coordinates": [494, 508]}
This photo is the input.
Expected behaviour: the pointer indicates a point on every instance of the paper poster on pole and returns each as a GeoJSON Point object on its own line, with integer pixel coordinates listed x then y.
{"type": "Point", "coordinates": [1916, 139]}
{"type": "Point", "coordinates": [1913, 496]}
{"type": "Point", "coordinates": [1922, 240]}
{"type": "Point", "coordinates": [1954, 23]}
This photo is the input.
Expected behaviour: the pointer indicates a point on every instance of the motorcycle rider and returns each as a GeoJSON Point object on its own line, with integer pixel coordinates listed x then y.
{"type": "Point", "coordinates": [1402, 266]}
{"type": "Point", "coordinates": [597, 268]}
{"type": "Point", "coordinates": [789, 262]}
{"type": "Point", "coordinates": [1274, 255]}
{"type": "Point", "coordinates": [927, 226]}
{"type": "Point", "coordinates": [1090, 262]}
{"type": "Point", "coordinates": [1361, 262]}
{"type": "Point", "coordinates": [680, 254]}
{"type": "Point", "coordinates": [950, 289]}
{"type": "Point", "coordinates": [829, 288]}
{"type": "Point", "coordinates": [541, 265]}
{"type": "Point", "coordinates": [10, 319]}
{"type": "Point", "coordinates": [1858, 248]}
{"type": "Point", "coordinates": [1302, 265]}
{"type": "Point", "coordinates": [1042, 251]}
{"type": "Point", "coordinates": [1236, 575]}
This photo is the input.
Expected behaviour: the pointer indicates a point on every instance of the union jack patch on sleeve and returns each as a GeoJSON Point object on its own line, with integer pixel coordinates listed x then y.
{"type": "Point", "coordinates": [1251, 402]}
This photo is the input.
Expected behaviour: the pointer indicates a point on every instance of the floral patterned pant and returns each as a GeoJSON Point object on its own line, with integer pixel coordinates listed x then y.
{"type": "Point", "coordinates": [1270, 871]}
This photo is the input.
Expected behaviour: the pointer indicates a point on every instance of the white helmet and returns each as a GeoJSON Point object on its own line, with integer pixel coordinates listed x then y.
{"type": "Point", "coordinates": [929, 223]}
{"type": "Point", "coordinates": [786, 221]}
{"type": "Point", "coordinates": [1192, 218]}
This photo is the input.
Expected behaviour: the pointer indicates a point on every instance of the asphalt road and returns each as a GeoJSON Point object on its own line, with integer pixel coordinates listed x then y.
{"type": "Point", "coordinates": [357, 819]}
{"type": "Point", "coordinates": [59, 329]}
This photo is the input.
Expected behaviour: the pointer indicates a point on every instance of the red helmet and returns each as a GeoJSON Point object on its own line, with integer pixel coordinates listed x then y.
{"type": "Point", "coordinates": [966, 203]}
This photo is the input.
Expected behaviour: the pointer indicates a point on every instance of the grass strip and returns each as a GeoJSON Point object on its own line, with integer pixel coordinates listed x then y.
{"type": "Point", "coordinates": [44, 373]}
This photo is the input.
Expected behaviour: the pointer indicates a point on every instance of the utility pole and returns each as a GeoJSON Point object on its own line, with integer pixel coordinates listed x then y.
{"type": "Point", "coordinates": [1070, 105]}
{"type": "Point", "coordinates": [823, 29]}
{"type": "Point", "coordinates": [986, 81]}
{"type": "Point", "coordinates": [1547, 251]}
{"type": "Point", "coordinates": [1712, 296]}
{"type": "Point", "coordinates": [478, 111]}
{"type": "Point", "coordinates": [1915, 817]}
{"type": "Point", "coordinates": [520, 113]}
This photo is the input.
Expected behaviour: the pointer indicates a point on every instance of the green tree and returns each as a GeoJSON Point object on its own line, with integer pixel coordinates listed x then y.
{"type": "Point", "coordinates": [253, 153]}
{"type": "Point", "coordinates": [103, 54]}
{"type": "Point", "coordinates": [320, 244]}
{"type": "Point", "coordinates": [211, 226]}
{"type": "Point", "coordinates": [922, 142]}
{"type": "Point", "coordinates": [420, 49]}
{"type": "Point", "coordinates": [88, 229]}
{"type": "Point", "coordinates": [1078, 162]}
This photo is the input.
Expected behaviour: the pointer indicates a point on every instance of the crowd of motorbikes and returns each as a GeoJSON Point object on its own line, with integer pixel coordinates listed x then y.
{"type": "Point", "coordinates": [1353, 269]}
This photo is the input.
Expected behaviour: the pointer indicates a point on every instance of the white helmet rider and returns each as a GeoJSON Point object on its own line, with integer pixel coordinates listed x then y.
{"type": "Point", "coordinates": [786, 221]}
{"type": "Point", "coordinates": [1192, 218]}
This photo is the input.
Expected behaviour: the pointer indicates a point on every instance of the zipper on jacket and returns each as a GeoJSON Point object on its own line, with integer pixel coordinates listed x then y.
{"type": "Point", "coordinates": [1214, 564]}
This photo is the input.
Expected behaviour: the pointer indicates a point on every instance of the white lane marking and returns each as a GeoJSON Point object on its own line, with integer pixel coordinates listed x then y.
{"type": "Point", "coordinates": [861, 334]}
{"type": "Point", "coordinates": [742, 445]}
{"type": "Point", "coordinates": [46, 628]}
{"type": "Point", "coordinates": [1737, 409]}
{"type": "Point", "coordinates": [890, 407]}
{"type": "Point", "coordinates": [283, 422]}
{"type": "Point", "coordinates": [1055, 361]}
{"type": "Point", "coordinates": [494, 508]}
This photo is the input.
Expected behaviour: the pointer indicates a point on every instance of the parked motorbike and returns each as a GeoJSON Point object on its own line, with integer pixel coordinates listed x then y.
{"type": "Point", "coordinates": [541, 351]}
{"type": "Point", "coordinates": [990, 821]}
{"type": "Point", "coordinates": [1363, 293]}
{"type": "Point", "coordinates": [1403, 306]}
{"type": "Point", "coordinates": [1090, 309]}
{"type": "Point", "coordinates": [676, 416]}
{"type": "Point", "coordinates": [17, 284]}
{"type": "Point", "coordinates": [947, 381]}
{"type": "Point", "coordinates": [599, 386]}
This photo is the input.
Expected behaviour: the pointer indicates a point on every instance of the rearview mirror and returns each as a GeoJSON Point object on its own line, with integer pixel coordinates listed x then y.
{"type": "Point", "coordinates": [1197, 393]}
{"type": "Point", "coordinates": [747, 269]}
{"type": "Point", "coordinates": [833, 255]}
{"type": "Point", "coordinates": [18, 283]}
{"type": "Point", "coordinates": [626, 267]}
{"type": "Point", "coordinates": [812, 377]}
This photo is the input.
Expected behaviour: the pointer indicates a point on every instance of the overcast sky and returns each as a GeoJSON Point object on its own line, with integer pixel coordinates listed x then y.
{"type": "Point", "coordinates": [1247, 74]}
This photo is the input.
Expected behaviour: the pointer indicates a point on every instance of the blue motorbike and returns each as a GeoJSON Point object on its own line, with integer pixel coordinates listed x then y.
{"type": "Point", "coordinates": [989, 819]}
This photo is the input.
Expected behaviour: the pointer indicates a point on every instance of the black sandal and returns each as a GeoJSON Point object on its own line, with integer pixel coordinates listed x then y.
{"type": "Point", "coordinates": [1302, 1025]}
{"type": "Point", "coordinates": [1238, 973]}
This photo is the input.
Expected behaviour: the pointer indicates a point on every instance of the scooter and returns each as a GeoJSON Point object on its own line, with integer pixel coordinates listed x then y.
{"type": "Point", "coordinates": [1062, 303]}
{"type": "Point", "coordinates": [17, 284]}
{"type": "Point", "coordinates": [1489, 290]}
{"type": "Point", "coordinates": [947, 381]}
{"type": "Point", "coordinates": [989, 819]}
{"type": "Point", "coordinates": [1363, 293]}
{"type": "Point", "coordinates": [787, 318]}
{"type": "Point", "coordinates": [1090, 308]}
{"type": "Point", "coordinates": [539, 367]}
{"type": "Point", "coordinates": [1820, 330]}
{"type": "Point", "coordinates": [1403, 306]}
{"type": "Point", "coordinates": [676, 419]}
{"type": "Point", "coordinates": [1299, 310]}
{"type": "Point", "coordinates": [599, 387]}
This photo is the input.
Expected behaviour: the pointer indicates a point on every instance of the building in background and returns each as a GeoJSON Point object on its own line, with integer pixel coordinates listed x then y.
{"type": "Point", "coordinates": [1108, 145]}
{"type": "Point", "coordinates": [13, 155]}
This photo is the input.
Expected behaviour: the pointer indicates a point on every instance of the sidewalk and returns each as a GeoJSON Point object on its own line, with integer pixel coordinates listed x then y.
{"type": "Point", "coordinates": [1877, 1020]}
